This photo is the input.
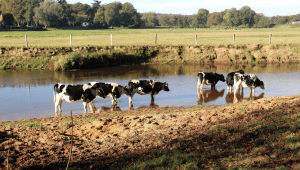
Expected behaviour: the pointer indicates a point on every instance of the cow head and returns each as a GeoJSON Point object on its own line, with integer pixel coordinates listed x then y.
{"type": "Point", "coordinates": [165, 87]}
{"type": "Point", "coordinates": [221, 76]}
{"type": "Point", "coordinates": [100, 92]}
{"type": "Point", "coordinates": [260, 84]}
{"type": "Point", "coordinates": [241, 71]}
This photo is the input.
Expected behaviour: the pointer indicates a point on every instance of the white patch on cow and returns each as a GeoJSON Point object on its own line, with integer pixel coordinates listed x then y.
{"type": "Point", "coordinates": [114, 85]}
{"type": "Point", "coordinates": [93, 83]}
{"type": "Point", "coordinates": [59, 84]}
{"type": "Point", "coordinates": [85, 86]}
{"type": "Point", "coordinates": [135, 81]}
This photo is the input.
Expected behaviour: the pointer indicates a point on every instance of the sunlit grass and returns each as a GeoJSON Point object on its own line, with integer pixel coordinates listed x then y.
{"type": "Point", "coordinates": [129, 37]}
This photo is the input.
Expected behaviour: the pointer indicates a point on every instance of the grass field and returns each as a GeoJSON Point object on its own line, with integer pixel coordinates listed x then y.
{"type": "Point", "coordinates": [165, 36]}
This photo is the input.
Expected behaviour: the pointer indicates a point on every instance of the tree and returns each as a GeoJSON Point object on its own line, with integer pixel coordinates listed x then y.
{"type": "Point", "coordinates": [99, 18]}
{"type": "Point", "coordinates": [82, 12]}
{"type": "Point", "coordinates": [127, 14]}
{"type": "Point", "coordinates": [48, 13]}
{"type": "Point", "coordinates": [200, 19]}
{"type": "Point", "coordinates": [15, 7]}
{"type": "Point", "coordinates": [149, 19]}
{"type": "Point", "coordinates": [231, 17]}
{"type": "Point", "coordinates": [261, 21]}
{"type": "Point", "coordinates": [29, 10]}
{"type": "Point", "coordinates": [163, 20]}
{"type": "Point", "coordinates": [95, 6]}
{"type": "Point", "coordinates": [247, 16]}
{"type": "Point", "coordinates": [214, 19]}
{"type": "Point", "coordinates": [112, 14]}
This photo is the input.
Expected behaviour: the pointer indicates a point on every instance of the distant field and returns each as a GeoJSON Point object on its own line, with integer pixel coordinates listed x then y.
{"type": "Point", "coordinates": [129, 37]}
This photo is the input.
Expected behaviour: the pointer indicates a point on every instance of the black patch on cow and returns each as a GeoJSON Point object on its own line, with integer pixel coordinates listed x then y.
{"type": "Point", "coordinates": [58, 90]}
{"type": "Point", "coordinates": [106, 88]}
{"type": "Point", "coordinates": [148, 86]}
{"type": "Point", "coordinates": [230, 79]}
{"type": "Point", "coordinates": [89, 94]}
{"type": "Point", "coordinates": [212, 78]}
{"type": "Point", "coordinates": [74, 91]}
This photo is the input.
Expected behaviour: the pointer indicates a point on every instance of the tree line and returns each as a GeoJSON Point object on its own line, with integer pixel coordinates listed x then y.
{"type": "Point", "coordinates": [59, 14]}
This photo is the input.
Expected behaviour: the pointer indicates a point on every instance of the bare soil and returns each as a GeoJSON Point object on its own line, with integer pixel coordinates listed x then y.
{"type": "Point", "coordinates": [114, 139]}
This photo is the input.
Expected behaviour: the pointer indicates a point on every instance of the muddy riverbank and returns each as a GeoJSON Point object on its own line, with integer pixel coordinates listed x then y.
{"type": "Point", "coordinates": [67, 58]}
{"type": "Point", "coordinates": [260, 134]}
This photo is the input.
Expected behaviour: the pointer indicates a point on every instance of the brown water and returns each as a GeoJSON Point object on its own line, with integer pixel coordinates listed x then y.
{"type": "Point", "coordinates": [29, 93]}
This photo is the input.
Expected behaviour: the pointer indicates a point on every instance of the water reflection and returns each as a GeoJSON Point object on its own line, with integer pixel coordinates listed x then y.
{"type": "Point", "coordinates": [25, 78]}
{"type": "Point", "coordinates": [29, 93]}
{"type": "Point", "coordinates": [108, 109]}
{"type": "Point", "coordinates": [204, 96]}
{"type": "Point", "coordinates": [239, 96]}
{"type": "Point", "coordinates": [151, 106]}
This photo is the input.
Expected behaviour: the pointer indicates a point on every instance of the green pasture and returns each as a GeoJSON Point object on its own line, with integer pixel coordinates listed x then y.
{"type": "Point", "coordinates": [165, 36]}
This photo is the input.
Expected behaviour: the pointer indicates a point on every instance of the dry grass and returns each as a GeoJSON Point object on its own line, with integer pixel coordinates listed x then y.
{"type": "Point", "coordinates": [128, 37]}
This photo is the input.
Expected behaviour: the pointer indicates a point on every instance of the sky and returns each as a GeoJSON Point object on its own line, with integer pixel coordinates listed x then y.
{"type": "Point", "coordinates": [190, 7]}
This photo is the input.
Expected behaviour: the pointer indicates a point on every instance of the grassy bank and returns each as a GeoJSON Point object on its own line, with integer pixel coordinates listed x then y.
{"type": "Point", "coordinates": [106, 56]}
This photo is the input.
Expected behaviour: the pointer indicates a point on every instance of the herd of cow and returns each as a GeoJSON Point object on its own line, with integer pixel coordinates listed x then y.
{"type": "Point", "coordinates": [235, 79]}
{"type": "Point", "coordinates": [88, 92]}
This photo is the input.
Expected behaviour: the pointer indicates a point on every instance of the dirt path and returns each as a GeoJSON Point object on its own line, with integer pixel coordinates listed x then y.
{"type": "Point", "coordinates": [112, 139]}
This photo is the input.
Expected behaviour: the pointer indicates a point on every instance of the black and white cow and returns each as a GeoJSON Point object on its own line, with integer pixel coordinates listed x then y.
{"type": "Point", "coordinates": [112, 90]}
{"type": "Point", "coordinates": [209, 79]}
{"type": "Point", "coordinates": [144, 87]}
{"type": "Point", "coordinates": [245, 81]}
{"type": "Point", "coordinates": [230, 79]}
{"type": "Point", "coordinates": [75, 93]}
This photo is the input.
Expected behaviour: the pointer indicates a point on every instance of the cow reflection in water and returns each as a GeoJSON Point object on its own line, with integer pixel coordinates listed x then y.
{"type": "Point", "coordinates": [151, 106]}
{"type": "Point", "coordinates": [205, 96]}
{"type": "Point", "coordinates": [239, 96]}
{"type": "Point", "coordinates": [108, 109]}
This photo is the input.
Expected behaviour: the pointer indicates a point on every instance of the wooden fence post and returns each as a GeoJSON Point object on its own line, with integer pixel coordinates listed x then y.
{"type": "Point", "coordinates": [71, 40]}
{"type": "Point", "coordinates": [155, 38]}
{"type": "Point", "coordinates": [270, 36]}
{"type": "Point", "coordinates": [196, 39]}
{"type": "Point", "coordinates": [233, 38]}
{"type": "Point", "coordinates": [111, 39]}
{"type": "Point", "coordinates": [26, 42]}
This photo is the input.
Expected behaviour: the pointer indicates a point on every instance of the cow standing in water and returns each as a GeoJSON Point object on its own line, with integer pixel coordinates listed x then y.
{"type": "Point", "coordinates": [144, 87]}
{"type": "Point", "coordinates": [245, 81]}
{"type": "Point", "coordinates": [112, 90]}
{"type": "Point", "coordinates": [230, 79]}
{"type": "Point", "coordinates": [75, 93]}
{"type": "Point", "coordinates": [209, 79]}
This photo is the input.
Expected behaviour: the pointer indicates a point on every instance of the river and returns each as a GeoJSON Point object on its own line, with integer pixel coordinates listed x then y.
{"type": "Point", "coordinates": [27, 94]}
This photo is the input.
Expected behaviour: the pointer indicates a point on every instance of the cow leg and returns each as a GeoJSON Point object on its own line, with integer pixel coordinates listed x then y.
{"type": "Point", "coordinates": [58, 105]}
{"type": "Point", "coordinates": [152, 98]}
{"type": "Point", "coordinates": [131, 106]}
{"type": "Point", "coordinates": [92, 107]}
{"type": "Point", "coordinates": [130, 98]}
{"type": "Point", "coordinates": [253, 91]}
{"type": "Point", "coordinates": [85, 107]}
{"type": "Point", "coordinates": [236, 89]}
{"type": "Point", "coordinates": [235, 99]}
